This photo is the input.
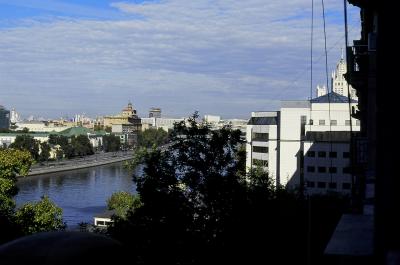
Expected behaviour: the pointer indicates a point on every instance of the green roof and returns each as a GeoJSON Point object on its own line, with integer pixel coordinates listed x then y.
{"type": "Point", "coordinates": [75, 131]}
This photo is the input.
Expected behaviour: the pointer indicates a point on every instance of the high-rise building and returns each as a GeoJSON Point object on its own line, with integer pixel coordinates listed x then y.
{"type": "Point", "coordinates": [4, 118]}
{"type": "Point", "coordinates": [339, 83]}
{"type": "Point", "coordinates": [15, 117]}
{"type": "Point", "coordinates": [306, 144]}
{"type": "Point", "coordinates": [155, 113]}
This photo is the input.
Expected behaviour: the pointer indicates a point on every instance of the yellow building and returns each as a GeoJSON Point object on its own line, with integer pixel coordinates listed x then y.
{"type": "Point", "coordinates": [128, 116]}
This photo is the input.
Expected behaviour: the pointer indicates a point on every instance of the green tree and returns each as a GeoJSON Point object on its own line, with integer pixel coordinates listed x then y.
{"type": "Point", "coordinates": [44, 151]}
{"type": "Point", "coordinates": [111, 143]}
{"type": "Point", "coordinates": [27, 142]}
{"type": "Point", "coordinates": [55, 139]}
{"type": "Point", "coordinates": [12, 163]}
{"type": "Point", "coordinates": [151, 137]}
{"type": "Point", "coordinates": [122, 202]}
{"type": "Point", "coordinates": [190, 193]}
{"type": "Point", "coordinates": [81, 145]}
{"type": "Point", "coordinates": [39, 216]}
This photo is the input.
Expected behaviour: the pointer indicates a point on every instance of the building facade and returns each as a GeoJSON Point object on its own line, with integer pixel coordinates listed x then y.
{"type": "Point", "coordinates": [4, 118]}
{"type": "Point", "coordinates": [339, 83]}
{"type": "Point", "coordinates": [155, 113]}
{"type": "Point", "coordinates": [306, 144]}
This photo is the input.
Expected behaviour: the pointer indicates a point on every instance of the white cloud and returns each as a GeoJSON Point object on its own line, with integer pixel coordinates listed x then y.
{"type": "Point", "coordinates": [182, 55]}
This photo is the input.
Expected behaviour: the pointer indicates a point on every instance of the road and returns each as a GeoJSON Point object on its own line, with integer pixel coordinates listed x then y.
{"type": "Point", "coordinates": [77, 163]}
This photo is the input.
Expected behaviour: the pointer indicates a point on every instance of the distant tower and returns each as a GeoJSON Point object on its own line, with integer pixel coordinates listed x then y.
{"type": "Point", "coordinates": [321, 91]}
{"type": "Point", "coordinates": [339, 83]}
{"type": "Point", "coordinates": [15, 117]}
{"type": "Point", "coordinates": [129, 111]}
{"type": "Point", "coordinates": [155, 113]}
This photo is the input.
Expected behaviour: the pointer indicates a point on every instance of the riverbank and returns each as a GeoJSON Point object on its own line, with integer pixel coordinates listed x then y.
{"type": "Point", "coordinates": [79, 163]}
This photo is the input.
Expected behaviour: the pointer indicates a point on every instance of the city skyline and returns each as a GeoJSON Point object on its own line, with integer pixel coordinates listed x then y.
{"type": "Point", "coordinates": [60, 58]}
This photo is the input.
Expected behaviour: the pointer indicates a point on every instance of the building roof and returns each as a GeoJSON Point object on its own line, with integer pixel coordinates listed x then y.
{"type": "Point", "coordinates": [105, 214]}
{"type": "Point", "coordinates": [332, 97]}
{"type": "Point", "coordinates": [74, 131]}
{"type": "Point", "coordinates": [263, 121]}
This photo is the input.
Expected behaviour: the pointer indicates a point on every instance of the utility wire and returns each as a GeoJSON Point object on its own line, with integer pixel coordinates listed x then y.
{"type": "Point", "coordinates": [327, 86]}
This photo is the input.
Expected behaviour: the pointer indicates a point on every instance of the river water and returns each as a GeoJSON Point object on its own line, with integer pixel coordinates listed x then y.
{"type": "Point", "coordinates": [80, 193]}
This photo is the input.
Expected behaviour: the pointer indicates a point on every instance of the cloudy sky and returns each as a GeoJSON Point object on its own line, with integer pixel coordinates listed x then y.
{"type": "Point", "coordinates": [223, 57]}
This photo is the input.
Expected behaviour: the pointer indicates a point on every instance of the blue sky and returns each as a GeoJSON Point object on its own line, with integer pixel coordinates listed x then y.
{"type": "Point", "coordinates": [223, 57]}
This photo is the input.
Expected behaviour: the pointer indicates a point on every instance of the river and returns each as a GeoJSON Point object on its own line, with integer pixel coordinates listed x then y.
{"type": "Point", "coordinates": [80, 193]}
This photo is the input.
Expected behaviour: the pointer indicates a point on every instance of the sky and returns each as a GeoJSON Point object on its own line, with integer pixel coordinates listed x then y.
{"type": "Point", "coordinates": [220, 57]}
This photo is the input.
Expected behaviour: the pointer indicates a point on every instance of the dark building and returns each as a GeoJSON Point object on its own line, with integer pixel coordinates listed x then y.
{"type": "Point", "coordinates": [373, 73]}
{"type": "Point", "coordinates": [155, 113]}
{"type": "Point", "coordinates": [4, 118]}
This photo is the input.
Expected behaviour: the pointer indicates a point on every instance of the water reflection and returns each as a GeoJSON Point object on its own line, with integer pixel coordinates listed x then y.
{"type": "Point", "coordinates": [81, 193]}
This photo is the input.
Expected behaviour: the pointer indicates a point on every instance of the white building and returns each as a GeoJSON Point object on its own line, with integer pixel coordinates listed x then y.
{"type": "Point", "coordinates": [8, 138]}
{"type": "Point", "coordinates": [212, 118]}
{"type": "Point", "coordinates": [339, 83]}
{"type": "Point", "coordinates": [40, 126]}
{"type": "Point", "coordinates": [309, 145]}
{"type": "Point", "coordinates": [262, 141]}
{"type": "Point", "coordinates": [15, 117]}
{"type": "Point", "coordinates": [164, 123]}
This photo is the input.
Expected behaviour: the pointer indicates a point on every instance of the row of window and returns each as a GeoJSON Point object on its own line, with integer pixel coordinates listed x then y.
{"type": "Point", "coordinates": [324, 153]}
{"type": "Point", "coordinates": [333, 170]}
{"type": "Point", "coordinates": [331, 185]}
{"type": "Point", "coordinates": [334, 122]}
{"type": "Point", "coordinates": [263, 137]}
{"type": "Point", "coordinates": [260, 149]}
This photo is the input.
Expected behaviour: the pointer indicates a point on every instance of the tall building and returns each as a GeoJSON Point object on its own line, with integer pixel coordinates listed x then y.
{"type": "Point", "coordinates": [155, 113]}
{"type": "Point", "coordinates": [15, 117]}
{"type": "Point", "coordinates": [338, 82]}
{"type": "Point", "coordinates": [4, 118]}
{"type": "Point", "coordinates": [304, 145]}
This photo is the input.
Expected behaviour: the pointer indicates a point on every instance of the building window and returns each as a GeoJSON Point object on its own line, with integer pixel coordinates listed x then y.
{"type": "Point", "coordinates": [321, 185]}
{"type": "Point", "coordinates": [262, 137]}
{"type": "Point", "coordinates": [347, 122]}
{"type": "Point", "coordinates": [346, 186]}
{"type": "Point", "coordinates": [321, 122]}
{"type": "Point", "coordinates": [333, 154]}
{"type": "Point", "coordinates": [321, 154]}
{"type": "Point", "coordinates": [311, 122]}
{"type": "Point", "coordinates": [260, 163]}
{"type": "Point", "coordinates": [357, 122]}
{"type": "Point", "coordinates": [310, 169]}
{"type": "Point", "coordinates": [346, 170]}
{"type": "Point", "coordinates": [311, 153]}
{"type": "Point", "coordinates": [333, 122]}
{"type": "Point", "coordinates": [346, 154]}
{"type": "Point", "coordinates": [332, 185]}
{"type": "Point", "coordinates": [321, 169]}
{"type": "Point", "coordinates": [332, 169]}
{"type": "Point", "coordinates": [310, 184]}
{"type": "Point", "coordinates": [260, 149]}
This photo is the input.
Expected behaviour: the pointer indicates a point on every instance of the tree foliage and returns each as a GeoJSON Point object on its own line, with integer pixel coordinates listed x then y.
{"type": "Point", "coordinates": [151, 137]}
{"type": "Point", "coordinates": [42, 216]}
{"type": "Point", "coordinates": [44, 151]}
{"type": "Point", "coordinates": [111, 143]}
{"type": "Point", "coordinates": [200, 207]}
{"type": "Point", "coordinates": [39, 216]}
{"type": "Point", "coordinates": [122, 202]}
{"type": "Point", "coordinates": [27, 142]}
{"type": "Point", "coordinates": [82, 145]}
